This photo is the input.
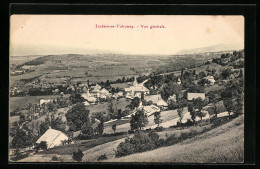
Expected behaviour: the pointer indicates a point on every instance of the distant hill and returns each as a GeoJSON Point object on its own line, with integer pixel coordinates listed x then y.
{"type": "Point", "coordinates": [215, 48]}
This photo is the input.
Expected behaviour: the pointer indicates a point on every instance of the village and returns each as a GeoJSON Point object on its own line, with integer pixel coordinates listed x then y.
{"type": "Point", "coordinates": [162, 103]}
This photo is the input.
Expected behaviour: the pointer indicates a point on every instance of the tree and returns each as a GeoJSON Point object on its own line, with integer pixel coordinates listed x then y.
{"type": "Point", "coordinates": [213, 71]}
{"type": "Point", "coordinates": [76, 98]}
{"type": "Point", "coordinates": [239, 106]}
{"type": "Point", "coordinates": [77, 116]}
{"type": "Point", "coordinates": [240, 73]}
{"type": "Point", "coordinates": [138, 120]}
{"type": "Point", "coordinates": [225, 73]}
{"type": "Point", "coordinates": [203, 82]}
{"type": "Point", "coordinates": [43, 127]}
{"type": "Point", "coordinates": [119, 113]}
{"type": "Point", "coordinates": [193, 88]}
{"type": "Point", "coordinates": [198, 105]}
{"type": "Point", "coordinates": [134, 103]}
{"type": "Point", "coordinates": [182, 71]}
{"type": "Point", "coordinates": [180, 113]}
{"type": "Point", "coordinates": [192, 112]}
{"type": "Point", "coordinates": [157, 118]}
{"type": "Point", "coordinates": [100, 127]}
{"type": "Point", "coordinates": [172, 104]}
{"type": "Point", "coordinates": [194, 72]}
{"type": "Point", "coordinates": [169, 89]}
{"type": "Point", "coordinates": [56, 123]}
{"type": "Point", "coordinates": [211, 96]}
{"type": "Point", "coordinates": [142, 96]}
{"type": "Point", "coordinates": [23, 138]}
{"type": "Point", "coordinates": [77, 155]}
{"type": "Point", "coordinates": [228, 103]}
{"type": "Point", "coordinates": [215, 110]}
{"type": "Point", "coordinates": [202, 74]}
{"type": "Point", "coordinates": [114, 127]}
{"type": "Point", "coordinates": [42, 145]}
{"type": "Point", "coordinates": [87, 131]}
{"type": "Point", "coordinates": [111, 110]}
{"type": "Point", "coordinates": [107, 84]}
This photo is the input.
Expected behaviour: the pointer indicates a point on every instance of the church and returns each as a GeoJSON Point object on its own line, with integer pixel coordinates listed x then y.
{"type": "Point", "coordinates": [136, 90]}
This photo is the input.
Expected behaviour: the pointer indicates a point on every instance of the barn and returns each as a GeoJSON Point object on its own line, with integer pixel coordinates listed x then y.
{"type": "Point", "coordinates": [53, 138]}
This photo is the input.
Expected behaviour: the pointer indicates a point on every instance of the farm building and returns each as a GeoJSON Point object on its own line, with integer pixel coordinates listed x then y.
{"type": "Point", "coordinates": [192, 96]}
{"type": "Point", "coordinates": [151, 109]}
{"type": "Point", "coordinates": [52, 137]}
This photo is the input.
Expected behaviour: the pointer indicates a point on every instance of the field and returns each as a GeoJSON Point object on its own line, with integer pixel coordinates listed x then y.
{"type": "Point", "coordinates": [95, 68]}
{"type": "Point", "coordinates": [16, 102]}
{"type": "Point", "coordinates": [124, 125]}
{"type": "Point", "coordinates": [103, 107]}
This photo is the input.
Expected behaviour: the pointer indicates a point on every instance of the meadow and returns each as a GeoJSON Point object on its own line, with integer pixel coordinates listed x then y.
{"type": "Point", "coordinates": [16, 102]}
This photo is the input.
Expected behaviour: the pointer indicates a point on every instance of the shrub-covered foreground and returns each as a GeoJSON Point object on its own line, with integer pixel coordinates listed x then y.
{"type": "Point", "coordinates": [140, 142]}
{"type": "Point", "coordinates": [223, 144]}
{"type": "Point", "coordinates": [149, 140]}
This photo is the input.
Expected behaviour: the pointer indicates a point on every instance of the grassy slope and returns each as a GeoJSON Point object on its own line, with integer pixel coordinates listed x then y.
{"type": "Point", "coordinates": [166, 117]}
{"type": "Point", "coordinates": [16, 102]}
{"type": "Point", "coordinates": [224, 144]}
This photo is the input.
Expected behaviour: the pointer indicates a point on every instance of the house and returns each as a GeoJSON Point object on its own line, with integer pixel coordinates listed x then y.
{"type": "Point", "coordinates": [89, 97]}
{"type": "Point", "coordinates": [105, 92]}
{"type": "Point", "coordinates": [86, 103]}
{"type": "Point", "coordinates": [95, 89]}
{"type": "Point", "coordinates": [76, 134]}
{"type": "Point", "coordinates": [162, 104]}
{"type": "Point", "coordinates": [118, 95]}
{"type": "Point", "coordinates": [179, 81]}
{"type": "Point", "coordinates": [173, 97]}
{"type": "Point", "coordinates": [151, 109]}
{"type": "Point", "coordinates": [211, 80]}
{"type": "Point", "coordinates": [53, 138]}
{"type": "Point", "coordinates": [85, 89]}
{"type": "Point", "coordinates": [192, 96]}
{"type": "Point", "coordinates": [102, 96]}
{"type": "Point", "coordinates": [45, 101]}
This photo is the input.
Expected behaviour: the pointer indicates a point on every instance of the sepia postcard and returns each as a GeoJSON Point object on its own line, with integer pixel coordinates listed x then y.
{"type": "Point", "coordinates": [126, 88]}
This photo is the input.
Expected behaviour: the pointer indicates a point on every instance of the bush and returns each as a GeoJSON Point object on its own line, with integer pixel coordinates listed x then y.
{"type": "Point", "coordinates": [189, 123]}
{"type": "Point", "coordinates": [159, 128]}
{"type": "Point", "coordinates": [131, 132]}
{"type": "Point", "coordinates": [102, 157]}
{"type": "Point", "coordinates": [139, 143]}
{"type": "Point", "coordinates": [77, 156]}
{"type": "Point", "coordinates": [54, 158]}
{"type": "Point", "coordinates": [114, 134]}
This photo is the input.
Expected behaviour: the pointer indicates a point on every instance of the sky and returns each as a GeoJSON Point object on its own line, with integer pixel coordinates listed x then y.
{"type": "Point", "coordinates": [63, 34]}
